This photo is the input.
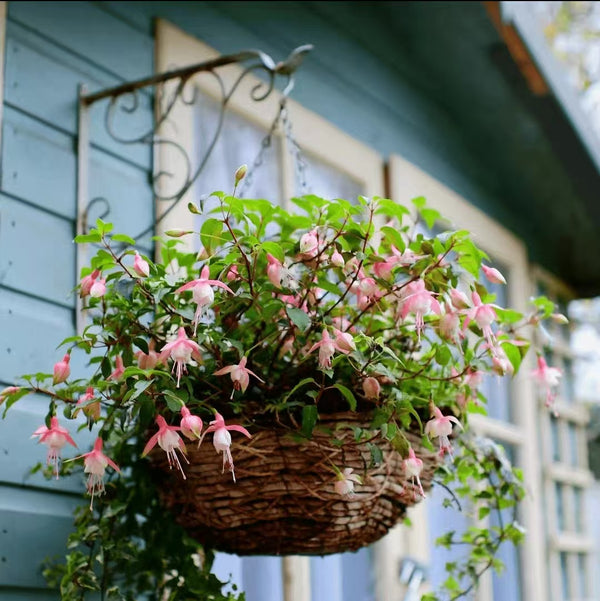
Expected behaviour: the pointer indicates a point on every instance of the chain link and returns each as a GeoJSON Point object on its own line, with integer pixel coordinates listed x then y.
{"type": "Point", "coordinates": [300, 164]}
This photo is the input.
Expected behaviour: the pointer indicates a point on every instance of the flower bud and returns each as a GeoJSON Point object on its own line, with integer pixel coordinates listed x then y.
{"type": "Point", "coordinates": [336, 259]}
{"type": "Point", "coordinates": [371, 388]}
{"type": "Point", "coordinates": [140, 266]}
{"type": "Point", "coordinates": [177, 233]}
{"type": "Point", "coordinates": [559, 318]}
{"type": "Point", "coordinates": [493, 275]}
{"type": "Point", "coordinates": [87, 282]}
{"type": "Point", "coordinates": [98, 289]}
{"type": "Point", "coordinates": [240, 173]}
{"type": "Point", "coordinates": [62, 370]}
{"type": "Point", "coordinates": [192, 208]}
{"type": "Point", "coordinates": [10, 390]}
{"type": "Point", "coordinates": [459, 299]}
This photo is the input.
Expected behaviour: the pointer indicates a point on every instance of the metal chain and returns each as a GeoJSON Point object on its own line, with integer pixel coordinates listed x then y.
{"type": "Point", "coordinates": [300, 164]}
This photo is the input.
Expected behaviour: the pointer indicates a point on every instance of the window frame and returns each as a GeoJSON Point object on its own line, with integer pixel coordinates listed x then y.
{"type": "Point", "coordinates": [316, 136]}
{"type": "Point", "coordinates": [407, 181]}
{"type": "Point", "coordinates": [561, 471]}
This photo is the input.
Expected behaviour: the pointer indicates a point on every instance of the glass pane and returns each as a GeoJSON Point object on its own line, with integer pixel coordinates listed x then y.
{"type": "Point", "coordinates": [262, 577]}
{"type": "Point", "coordinates": [573, 446]}
{"type": "Point", "coordinates": [582, 574]}
{"type": "Point", "coordinates": [507, 584]}
{"type": "Point", "coordinates": [239, 142]}
{"type": "Point", "coordinates": [560, 505]}
{"type": "Point", "coordinates": [564, 576]}
{"type": "Point", "coordinates": [440, 520]}
{"type": "Point", "coordinates": [497, 391]}
{"type": "Point", "coordinates": [578, 508]}
{"type": "Point", "coordinates": [326, 578]}
{"type": "Point", "coordinates": [357, 575]}
{"type": "Point", "coordinates": [567, 389]}
{"type": "Point", "coordinates": [327, 181]}
{"type": "Point", "coordinates": [554, 435]}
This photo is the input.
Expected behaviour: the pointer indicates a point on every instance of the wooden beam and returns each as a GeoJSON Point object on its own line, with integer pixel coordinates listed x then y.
{"type": "Point", "coordinates": [518, 50]}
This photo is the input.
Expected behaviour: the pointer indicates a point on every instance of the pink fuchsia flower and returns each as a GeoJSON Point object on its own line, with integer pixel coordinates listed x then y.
{"type": "Point", "coordinates": [222, 439]}
{"type": "Point", "coordinates": [62, 370]}
{"type": "Point", "coordinates": [337, 260]}
{"type": "Point", "coordinates": [87, 282]}
{"type": "Point", "coordinates": [371, 388]}
{"type": "Point", "coordinates": [55, 437]}
{"type": "Point", "coordinates": [240, 375]}
{"type": "Point", "coordinates": [449, 325]}
{"type": "Point", "coordinates": [8, 391]}
{"type": "Point", "coordinates": [344, 483]}
{"type": "Point", "coordinates": [459, 299]}
{"type": "Point", "coordinates": [119, 370]}
{"type": "Point", "coordinates": [344, 341]}
{"type": "Point", "coordinates": [98, 288]}
{"type": "Point", "coordinates": [419, 301]}
{"type": "Point", "coordinates": [493, 275]}
{"type": "Point", "coordinates": [202, 293]}
{"type": "Point", "coordinates": [309, 244]}
{"type": "Point", "coordinates": [327, 347]}
{"type": "Point", "coordinates": [548, 378]}
{"type": "Point", "coordinates": [440, 426]}
{"type": "Point", "coordinates": [483, 315]}
{"type": "Point", "coordinates": [169, 441]}
{"type": "Point", "coordinates": [274, 270]}
{"type": "Point", "coordinates": [191, 425]}
{"type": "Point", "coordinates": [232, 274]}
{"type": "Point", "coordinates": [413, 466]}
{"type": "Point", "coordinates": [89, 408]}
{"type": "Point", "coordinates": [181, 351]}
{"type": "Point", "coordinates": [149, 360]}
{"type": "Point", "coordinates": [140, 266]}
{"type": "Point", "coordinates": [95, 463]}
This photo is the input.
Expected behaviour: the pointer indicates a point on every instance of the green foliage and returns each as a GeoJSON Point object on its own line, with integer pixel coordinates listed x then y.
{"type": "Point", "coordinates": [312, 331]}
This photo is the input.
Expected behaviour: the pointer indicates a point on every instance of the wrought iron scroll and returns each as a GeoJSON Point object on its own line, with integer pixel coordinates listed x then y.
{"type": "Point", "coordinates": [168, 89]}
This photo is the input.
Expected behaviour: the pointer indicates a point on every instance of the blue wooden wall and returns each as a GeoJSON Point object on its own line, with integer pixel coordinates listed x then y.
{"type": "Point", "coordinates": [52, 48]}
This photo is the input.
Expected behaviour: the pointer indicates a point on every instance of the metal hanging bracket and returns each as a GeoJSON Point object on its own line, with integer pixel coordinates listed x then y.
{"type": "Point", "coordinates": [168, 89]}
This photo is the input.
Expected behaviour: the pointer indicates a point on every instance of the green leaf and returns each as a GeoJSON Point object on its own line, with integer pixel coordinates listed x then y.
{"type": "Point", "coordinates": [310, 416]}
{"type": "Point", "coordinates": [443, 355]}
{"type": "Point", "coordinates": [123, 238]}
{"type": "Point", "coordinates": [141, 344]}
{"type": "Point", "coordinates": [392, 235]}
{"type": "Point", "coordinates": [298, 386]}
{"type": "Point", "coordinates": [298, 317]}
{"type": "Point", "coordinates": [376, 453]}
{"type": "Point", "coordinates": [211, 234]}
{"type": "Point", "coordinates": [419, 202]}
{"type": "Point", "coordinates": [274, 249]}
{"type": "Point", "coordinates": [139, 387]}
{"type": "Point", "coordinates": [508, 315]}
{"type": "Point", "coordinates": [93, 237]}
{"type": "Point", "coordinates": [430, 216]}
{"type": "Point", "coordinates": [515, 354]}
{"type": "Point", "coordinates": [174, 403]}
{"type": "Point", "coordinates": [103, 227]}
{"type": "Point", "coordinates": [348, 395]}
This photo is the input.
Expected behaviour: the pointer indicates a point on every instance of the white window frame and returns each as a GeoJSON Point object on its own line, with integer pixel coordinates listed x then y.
{"type": "Point", "coordinates": [314, 135]}
{"type": "Point", "coordinates": [407, 181]}
{"type": "Point", "coordinates": [573, 413]}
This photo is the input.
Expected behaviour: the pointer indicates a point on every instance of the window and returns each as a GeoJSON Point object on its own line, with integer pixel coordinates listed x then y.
{"type": "Point", "coordinates": [512, 409]}
{"type": "Point", "coordinates": [335, 165]}
{"type": "Point", "coordinates": [566, 475]}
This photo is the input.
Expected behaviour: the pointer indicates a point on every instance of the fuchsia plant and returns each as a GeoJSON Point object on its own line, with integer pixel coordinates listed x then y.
{"type": "Point", "coordinates": [404, 327]}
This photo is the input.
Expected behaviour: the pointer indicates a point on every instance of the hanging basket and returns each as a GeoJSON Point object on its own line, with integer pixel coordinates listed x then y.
{"type": "Point", "coordinates": [284, 501]}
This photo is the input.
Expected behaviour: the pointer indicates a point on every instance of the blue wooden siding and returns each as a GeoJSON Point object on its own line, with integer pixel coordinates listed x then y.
{"type": "Point", "coordinates": [52, 48]}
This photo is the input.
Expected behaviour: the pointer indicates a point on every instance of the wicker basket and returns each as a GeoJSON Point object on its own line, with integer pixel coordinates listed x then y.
{"type": "Point", "coordinates": [284, 502]}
